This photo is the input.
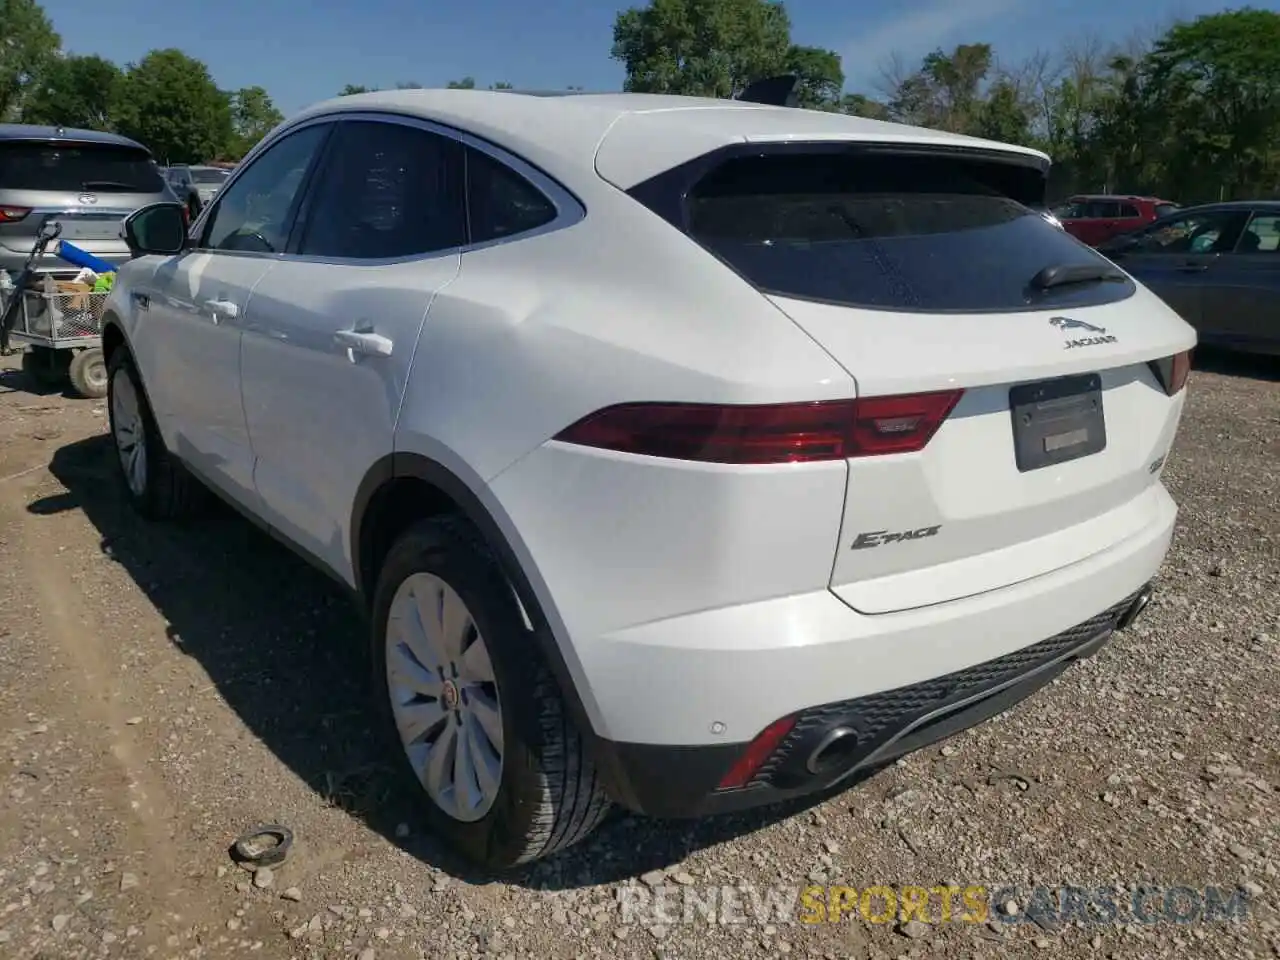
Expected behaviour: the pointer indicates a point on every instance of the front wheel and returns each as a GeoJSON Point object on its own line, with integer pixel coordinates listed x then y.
{"type": "Point", "coordinates": [472, 709]}
{"type": "Point", "coordinates": [158, 486]}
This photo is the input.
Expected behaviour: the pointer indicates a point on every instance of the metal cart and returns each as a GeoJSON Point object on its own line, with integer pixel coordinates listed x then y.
{"type": "Point", "coordinates": [63, 334]}
{"type": "Point", "coordinates": [62, 329]}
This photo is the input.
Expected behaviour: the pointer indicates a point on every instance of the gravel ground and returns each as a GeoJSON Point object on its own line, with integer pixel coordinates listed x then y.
{"type": "Point", "coordinates": [163, 689]}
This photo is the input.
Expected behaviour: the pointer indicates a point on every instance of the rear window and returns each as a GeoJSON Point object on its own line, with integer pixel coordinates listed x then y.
{"type": "Point", "coordinates": [906, 233]}
{"type": "Point", "coordinates": [208, 176]}
{"type": "Point", "coordinates": [1164, 209]}
{"type": "Point", "coordinates": [75, 168]}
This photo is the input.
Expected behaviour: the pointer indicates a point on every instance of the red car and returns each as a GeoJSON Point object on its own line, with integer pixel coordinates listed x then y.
{"type": "Point", "coordinates": [1096, 218]}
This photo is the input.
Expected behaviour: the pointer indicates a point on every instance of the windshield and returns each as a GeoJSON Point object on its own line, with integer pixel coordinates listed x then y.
{"type": "Point", "coordinates": [77, 167]}
{"type": "Point", "coordinates": [905, 233]}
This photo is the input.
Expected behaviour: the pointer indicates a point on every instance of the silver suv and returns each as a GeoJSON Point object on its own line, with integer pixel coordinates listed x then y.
{"type": "Point", "coordinates": [89, 181]}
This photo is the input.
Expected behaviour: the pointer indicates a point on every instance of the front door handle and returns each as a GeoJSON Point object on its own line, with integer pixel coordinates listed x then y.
{"type": "Point", "coordinates": [363, 343]}
{"type": "Point", "coordinates": [223, 309]}
{"type": "Point", "coordinates": [1192, 268]}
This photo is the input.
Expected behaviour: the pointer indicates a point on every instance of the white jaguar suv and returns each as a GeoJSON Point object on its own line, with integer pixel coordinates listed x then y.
{"type": "Point", "coordinates": [686, 454]}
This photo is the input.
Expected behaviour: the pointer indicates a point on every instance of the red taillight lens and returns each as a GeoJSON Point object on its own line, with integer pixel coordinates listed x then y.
{"type": "Point", "coordinates": [756, 754]}
{"type": "Point", "coordinates": [13, 214]}
{"type": "Point", "coordinates": [768, 433]}
{"type": "Point", "coordinates": [1172, 372]}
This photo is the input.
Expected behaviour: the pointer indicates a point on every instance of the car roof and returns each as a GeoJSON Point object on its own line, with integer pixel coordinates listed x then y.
{"type": "Point", "coordinates": [628, 137]}
{"type": "Point", "coordinates": [1269, 206]}
{"type": "Point", "coordinates": [47, 134]}
{"type": "Point", "coordinates": [1118, 196]}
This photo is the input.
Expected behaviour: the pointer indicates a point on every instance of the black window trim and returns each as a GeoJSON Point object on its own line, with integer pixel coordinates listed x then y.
{"type": "Point", "coordinates": [199, 228]}
{"type": "Point", "coordinates": [569, 209]}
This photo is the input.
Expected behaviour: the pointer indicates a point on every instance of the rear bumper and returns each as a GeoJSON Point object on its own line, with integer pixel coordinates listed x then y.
{"type": "Point", "coordinates": [833, 743]}
{"type": "Point", "coordinates": [698, 689]}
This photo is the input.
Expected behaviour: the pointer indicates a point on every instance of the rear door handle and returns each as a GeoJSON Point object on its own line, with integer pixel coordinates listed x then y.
{"type": "Point", "coordinates": [225, 308]}
{"type": "Point", "coordinates": [1193, 268]}
{"type": "Point", "coordinates": [363, 343]}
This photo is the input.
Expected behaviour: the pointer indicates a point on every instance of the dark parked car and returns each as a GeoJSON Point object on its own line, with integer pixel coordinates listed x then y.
{"type": "Point", "coordinates": [1218, 265]}
{"type": "Point", "coordinates": [1095, 219]}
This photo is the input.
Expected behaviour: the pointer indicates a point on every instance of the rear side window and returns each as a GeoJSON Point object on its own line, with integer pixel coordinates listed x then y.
{"type": "Point", "coordinates": [904, 233]}
{"type": "Point", "coordinates": [500, 202]}
{"type": "Point", "coordinates": [78, 168]}
{"type": "Point", "coordinates": [1128, 211]}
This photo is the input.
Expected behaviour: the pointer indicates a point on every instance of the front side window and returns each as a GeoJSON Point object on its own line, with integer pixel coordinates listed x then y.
{"type": "Point", "coordinates": [255, 213]}
{"type": "Point", "coordinates": [388, 190]}
{"type": "Point", "coordinates": [1212, 232]}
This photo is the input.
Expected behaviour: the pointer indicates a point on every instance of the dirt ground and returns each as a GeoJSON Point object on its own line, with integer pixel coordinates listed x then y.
{"type": "Point", "coordinates": [162, 689]}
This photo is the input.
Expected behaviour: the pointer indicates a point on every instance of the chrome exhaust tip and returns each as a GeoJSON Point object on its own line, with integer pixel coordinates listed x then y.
{"type": "Point", "coordinates": [832, 751]}
{"type": "Point", "coordinates": [1135, 609]}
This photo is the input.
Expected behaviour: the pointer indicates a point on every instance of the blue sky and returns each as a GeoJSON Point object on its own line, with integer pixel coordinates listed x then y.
{"type": "Point", "coordinates": [303, 54]}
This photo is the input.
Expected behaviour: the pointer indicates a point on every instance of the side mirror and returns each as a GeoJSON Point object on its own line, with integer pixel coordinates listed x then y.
{"type": "Point", "coordinates": [158, 228]}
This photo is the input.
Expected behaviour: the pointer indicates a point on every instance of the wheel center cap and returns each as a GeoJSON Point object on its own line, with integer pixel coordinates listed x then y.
{"type": "Point", "coordinates": [449, 695]}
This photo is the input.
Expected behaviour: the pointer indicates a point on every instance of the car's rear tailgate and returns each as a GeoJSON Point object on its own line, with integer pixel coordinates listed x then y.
{"type": "Point", "coordinates": [960, 516]}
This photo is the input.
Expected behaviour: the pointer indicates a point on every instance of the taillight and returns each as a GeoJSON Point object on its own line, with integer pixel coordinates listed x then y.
{"type": "Point", "coordinates": [1172, 372]}
{"type": "Point", "coordinates": [767, 433]}
{"type": "Point", "coordinates": [756, 754]}
{"type": "Point", "coordinates": [13, 214]}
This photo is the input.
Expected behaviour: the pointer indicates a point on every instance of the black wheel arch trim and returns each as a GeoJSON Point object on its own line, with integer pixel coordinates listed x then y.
{"type": "Point", "coordinates": [416, 466]}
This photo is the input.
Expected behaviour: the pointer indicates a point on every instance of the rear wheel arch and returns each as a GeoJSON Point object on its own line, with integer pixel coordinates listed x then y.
{"type": "Point", "coordinates": [404, 488]}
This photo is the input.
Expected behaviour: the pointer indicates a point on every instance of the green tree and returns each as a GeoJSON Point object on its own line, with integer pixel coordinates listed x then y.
{"type": "Point", "coordinates": [73, 91]}
{"type": "Point", "coordinates": [819, 74]}
{"type": "Point", "coordinates": [1004, 114]}
{"type": "Point", "coordinates": [466, 83]}
{"type": "Point", "coordinates": [168, 102]}
{"type": "Point", "coordinates": [353, 88]}
{"type": "Point", "coordinates": [253, 116]}
{"type": "Point", "coordinates": [946, 93]}
{"type": "Point", "coordinates": [1216, 81]}
{"type": "Point", "coordinates": [27, 45]}
{"type": "Point", "coordinates": [710, 48]}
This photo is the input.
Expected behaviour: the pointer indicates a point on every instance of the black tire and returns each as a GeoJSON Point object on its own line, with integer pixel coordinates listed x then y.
{"type": "Point", "coordinates": [48, 368]}
{"type": "Point", "coordinates": [88, 373]}
{"type": "Point", "coordinates": [550, 796]}
{"type": "Point", "coordinates": [169, 491]}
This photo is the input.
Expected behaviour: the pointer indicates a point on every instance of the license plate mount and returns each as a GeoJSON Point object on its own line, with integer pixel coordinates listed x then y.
{"type": "Point", "coordinates": [1055, 421]}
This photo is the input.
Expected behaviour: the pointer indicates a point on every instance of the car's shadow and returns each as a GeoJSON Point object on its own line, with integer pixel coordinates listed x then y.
{"type": "Point", "coordinates": [286, 650]}
{"type": "Point", "coordinates": [1234, 364]}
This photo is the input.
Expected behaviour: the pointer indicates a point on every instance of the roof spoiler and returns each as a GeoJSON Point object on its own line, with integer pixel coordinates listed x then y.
{"type": "Point", "coordinates": [779, 91]}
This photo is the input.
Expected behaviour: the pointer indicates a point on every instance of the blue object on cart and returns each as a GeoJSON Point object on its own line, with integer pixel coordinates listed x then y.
{"type": "Point", "coordinates": [83, 258]}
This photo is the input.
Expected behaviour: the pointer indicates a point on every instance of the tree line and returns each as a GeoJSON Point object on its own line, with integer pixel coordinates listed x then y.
{"type": "Point", "coordinates": [1189, 113]}
{"type": "Point", "coordinates": [167, 100]}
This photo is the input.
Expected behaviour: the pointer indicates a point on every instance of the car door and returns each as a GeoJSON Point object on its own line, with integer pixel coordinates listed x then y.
{"type": "Point", "coordinates": [333, 328]}
{"type": "Point", "coordinates": [190, 349]}
{"type": "Point", "coordinates": [1242, 290]}
{"type": "Point", "coordinates": [1173, 256]}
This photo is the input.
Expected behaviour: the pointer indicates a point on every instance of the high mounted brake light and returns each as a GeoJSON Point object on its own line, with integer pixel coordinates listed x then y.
{"type": "Point", "coordinates": [767, 433]}
{"type": "Point", "coordinates": [1172, 372]}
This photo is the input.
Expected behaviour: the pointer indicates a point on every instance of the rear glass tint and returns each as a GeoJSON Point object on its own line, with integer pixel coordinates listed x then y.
{"type": "Point", "coordinates": [910, 233]}
{"type": "Point", "coordinates": [77, 168]}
